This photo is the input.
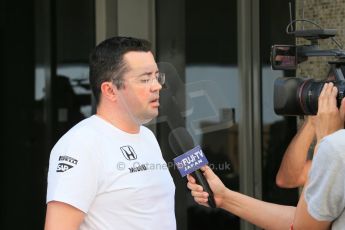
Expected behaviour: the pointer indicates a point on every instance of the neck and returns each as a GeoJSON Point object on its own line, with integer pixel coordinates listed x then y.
{"type": "Point", "coordinates": [118, 120]}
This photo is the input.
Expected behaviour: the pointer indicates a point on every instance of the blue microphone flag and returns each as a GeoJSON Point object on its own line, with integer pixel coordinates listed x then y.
{"type": "Point", "coordinates": [190, 161]}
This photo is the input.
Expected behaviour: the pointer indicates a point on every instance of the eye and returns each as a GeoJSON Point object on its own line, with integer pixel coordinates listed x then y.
{"type": "Point", "coordinates": [145, 80]}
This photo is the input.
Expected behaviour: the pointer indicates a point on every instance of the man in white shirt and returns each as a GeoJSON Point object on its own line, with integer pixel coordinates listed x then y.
{"type": "Point", "coordinates": [108, 172]}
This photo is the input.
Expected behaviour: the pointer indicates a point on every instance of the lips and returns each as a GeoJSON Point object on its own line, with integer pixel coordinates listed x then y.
{"type": "Point", "coordinates": [155, 101]}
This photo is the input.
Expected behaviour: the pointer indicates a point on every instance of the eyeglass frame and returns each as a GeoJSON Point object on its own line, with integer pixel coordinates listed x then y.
{"type": "Point", "coordinates": [159, 77]}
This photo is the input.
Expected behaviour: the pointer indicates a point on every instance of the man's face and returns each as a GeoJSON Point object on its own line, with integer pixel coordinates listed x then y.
{"type": "Point", "coordinates": [140, 95]}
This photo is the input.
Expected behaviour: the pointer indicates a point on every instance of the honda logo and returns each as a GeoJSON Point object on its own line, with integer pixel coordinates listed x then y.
{"type": "Point", "coordinates": [128, 152]}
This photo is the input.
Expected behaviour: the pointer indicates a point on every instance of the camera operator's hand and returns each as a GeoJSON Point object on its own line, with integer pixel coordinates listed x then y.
{"type": "Point", "coordinates": [329, 118]}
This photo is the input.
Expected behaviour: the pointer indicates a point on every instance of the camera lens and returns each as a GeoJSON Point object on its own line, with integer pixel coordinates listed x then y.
{"type": "Point", "coordinates": [299, 96]}
{"type": "Point", "coordinates": [308, 94]}
{"type": "Point", "coordinates": [286, 98]}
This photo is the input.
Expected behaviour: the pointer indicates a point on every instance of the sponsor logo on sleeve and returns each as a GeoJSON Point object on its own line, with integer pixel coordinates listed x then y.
{"type": "Point", "coordinates": [63, 167]}
{"type": "Point", "coordinates": [68, 159]}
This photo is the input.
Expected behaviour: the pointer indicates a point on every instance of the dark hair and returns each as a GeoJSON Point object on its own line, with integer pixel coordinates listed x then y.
{"type": "Point", "coordinates": [106, 61]}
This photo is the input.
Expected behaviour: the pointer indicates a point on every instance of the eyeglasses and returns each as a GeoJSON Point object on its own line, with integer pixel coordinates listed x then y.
{"type": "Point", "coordinates": [148, 81]}
{"type": "Point", "coordinates": [145, 79]}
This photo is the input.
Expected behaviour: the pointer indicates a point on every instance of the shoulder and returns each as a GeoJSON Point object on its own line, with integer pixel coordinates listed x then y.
{"type": "Point", "coordinates": [82, 134]}
{"type": "Point", "coordinates": [333, 145]}
{"type": "Point", "coordinates": [330, 156]}
{"type": "Point", "coordinates": [324, 192]}
{"type": "Point", "coordinates": [81, 144]}
{"type": "Point", "coordinates": [148, 136]}
{"type": "Point", "coordinates": [336, 137]}
{"type": "Point", "coordinates": [147, 132]}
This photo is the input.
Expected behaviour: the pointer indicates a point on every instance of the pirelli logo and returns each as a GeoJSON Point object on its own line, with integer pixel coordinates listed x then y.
{"type": "Point", "coordinates": [68, 159]}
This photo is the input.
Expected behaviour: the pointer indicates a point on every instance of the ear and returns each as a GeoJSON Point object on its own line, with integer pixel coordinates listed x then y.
{"type": "Point", "coordinates": [109, 91]}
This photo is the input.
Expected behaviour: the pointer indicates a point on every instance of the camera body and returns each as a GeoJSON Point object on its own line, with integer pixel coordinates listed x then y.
{"type": "Point", "coordinates": [299, 96]}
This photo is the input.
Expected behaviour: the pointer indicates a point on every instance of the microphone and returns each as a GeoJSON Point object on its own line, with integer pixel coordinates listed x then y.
{"type": "Point", "coordinates": [181, 141]}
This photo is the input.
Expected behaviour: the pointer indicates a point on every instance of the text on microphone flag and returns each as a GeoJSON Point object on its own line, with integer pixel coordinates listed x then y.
{"type": "Point", "coordinates": [190, 161]}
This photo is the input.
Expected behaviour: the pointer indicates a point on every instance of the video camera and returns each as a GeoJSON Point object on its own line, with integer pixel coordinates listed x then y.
{"type": "Point", "coordinates": [299, 96]}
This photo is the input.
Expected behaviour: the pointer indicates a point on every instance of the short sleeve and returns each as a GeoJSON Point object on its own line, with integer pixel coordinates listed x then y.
{"type": "Point", "coordinates": [73, 173]}
{"type": "Point", "coordinates": [325, 190]}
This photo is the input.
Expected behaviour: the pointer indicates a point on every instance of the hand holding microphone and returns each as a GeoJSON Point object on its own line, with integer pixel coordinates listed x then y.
{"type": "Point", "coordinates": [200, 195]}
{"type": "Point", "coordinates": [191, 161]}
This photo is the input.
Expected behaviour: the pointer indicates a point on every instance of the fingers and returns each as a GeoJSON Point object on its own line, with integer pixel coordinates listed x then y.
{"type": "Point", "coordinates": [329, 117]}
{"type": "Point", "coordinates": [201, 195]}
{"type": "Point", "coordinates": [201, 201]}
{"type": "Point", "coordinates": [191, 179]}
{"type": "Point", "coordinates": [333, 96]}
{"type": "Point", "coordinates": [198, 194]}
{"type": "Point", "coordinates": [195, 187]}
{"type": "Point", "coordinates": [208, 173]}
{"type": "Point", "coordinates": [327, 98]}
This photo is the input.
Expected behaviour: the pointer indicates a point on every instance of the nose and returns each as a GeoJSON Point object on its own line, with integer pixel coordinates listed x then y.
{"type": "Point", "coordinates": [155, 85]}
